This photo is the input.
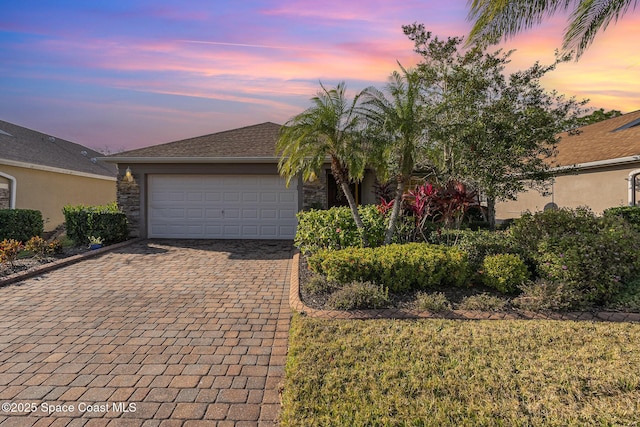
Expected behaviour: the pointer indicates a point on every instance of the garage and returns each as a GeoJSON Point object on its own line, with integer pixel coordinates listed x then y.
{"type": "Point", "coordinates": [200, 206]}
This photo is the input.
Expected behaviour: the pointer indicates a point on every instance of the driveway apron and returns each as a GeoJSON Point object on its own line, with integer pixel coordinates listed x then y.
{"type": "Point", "coordinates": [158, 333]}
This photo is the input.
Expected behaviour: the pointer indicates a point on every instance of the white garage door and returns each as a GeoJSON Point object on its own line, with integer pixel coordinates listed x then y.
{"type": "Point", "coordinates": [221, 207]}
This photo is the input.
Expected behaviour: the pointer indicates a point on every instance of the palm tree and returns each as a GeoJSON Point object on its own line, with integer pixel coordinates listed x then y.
{"type": "Point", "coordinates": [394, 120]}
{"type": "Point", "coordinates": [495, 19]}
{"type": "Point", "coordinates": [328, 129]}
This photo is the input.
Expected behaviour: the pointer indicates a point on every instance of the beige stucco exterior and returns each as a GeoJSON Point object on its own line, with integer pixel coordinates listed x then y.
{"type": "Point", "coordinates": [597, 188]}
{"type": "Point", "coordinates": [49, 190]}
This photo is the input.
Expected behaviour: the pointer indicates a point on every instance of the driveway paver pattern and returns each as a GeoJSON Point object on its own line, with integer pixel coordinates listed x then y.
{"type": "Point", "coordinates": [158, 333]}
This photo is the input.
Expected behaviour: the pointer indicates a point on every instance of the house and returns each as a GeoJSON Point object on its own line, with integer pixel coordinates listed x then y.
{"type": "Point", "coordinates": [599, 168]}
{"type": "Point", "coordinates": [224, 185]}
{"type": "Point", "coordinates": [39, 171]}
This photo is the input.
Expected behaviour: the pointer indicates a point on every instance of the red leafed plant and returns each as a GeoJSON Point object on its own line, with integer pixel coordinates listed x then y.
{"type": "Point", "coordinates": [384, 206]}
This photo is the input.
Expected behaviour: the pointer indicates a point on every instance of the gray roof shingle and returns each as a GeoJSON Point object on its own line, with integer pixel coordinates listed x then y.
{"type": "Point", "coordinates": [251, 141]}
{"type": "Point", "coordinates": [24, 145]}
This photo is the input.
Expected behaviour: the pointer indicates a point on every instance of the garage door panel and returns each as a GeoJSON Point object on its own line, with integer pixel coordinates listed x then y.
{"type": "Point", "coordinates": [221, 206]}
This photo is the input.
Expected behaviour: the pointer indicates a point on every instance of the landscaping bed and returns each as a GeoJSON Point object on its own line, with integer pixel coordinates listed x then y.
{"type": "Point", "coordinates": [556, 261]}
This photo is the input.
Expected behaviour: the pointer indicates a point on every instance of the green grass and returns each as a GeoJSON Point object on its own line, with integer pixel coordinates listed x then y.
{"type": "Point", "coordinates": [461, 373]}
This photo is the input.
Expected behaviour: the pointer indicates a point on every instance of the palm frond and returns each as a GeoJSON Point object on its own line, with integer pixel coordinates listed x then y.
{"type": "Point", "coordinates": [590, 17]}
{"type": "Point", "coordinates": [502, 19]}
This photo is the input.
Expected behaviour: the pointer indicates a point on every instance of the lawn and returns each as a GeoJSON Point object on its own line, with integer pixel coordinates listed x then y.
{"type": "Point", "coordinates": [461, 373]}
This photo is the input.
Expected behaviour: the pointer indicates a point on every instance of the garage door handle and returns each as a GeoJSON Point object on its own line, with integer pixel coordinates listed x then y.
{"type": "Point", "coordinates": [222, 212]}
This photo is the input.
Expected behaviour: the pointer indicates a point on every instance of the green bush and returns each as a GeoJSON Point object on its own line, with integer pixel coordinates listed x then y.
{"type": "Point", "coordinates": [595, 265]}
{"type": "Point", "coordinates": [629, 298]}
{"type": "Point", "coordinates": [530, 229]}
{"type": "Point", "coordinates": [318, 285]}
{"type": "Point", "coordinates": [398, 267]}
{"type": "Point", "coordinates": [359, 296]}
{"type": "Point", "coordinates": [477, 244]}
{"type": "Point", "coordinates": [544, 295]}
{"type": "Point", "coordinates": [20, 224]}
{"type": "Point", "coordinates": [482, 302]}
{"type": "Point", "coordinates": [106, 222]}
{"type": "Point", "coordinates": [335, 228]}
{"type": "Point", "coordinates": [432, 302]}
{"type": "Point", "coordinates": [630, 213]}
{"type": "Point", "coordinates": [504, 272]}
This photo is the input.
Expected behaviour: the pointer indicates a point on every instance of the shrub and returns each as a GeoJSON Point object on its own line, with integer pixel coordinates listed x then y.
{"type": "Point", "coordinates": [530, 229]}
{"type": "Point", "coordinates": [41, 248]}
{"type": "Point", "coordinates": [629, 298]}
{"type": "Point", "coordinates": [504, 272]}
{"type": "Point", "coordinates": [20, 224]}
{"type": "Point", "coordinates": [594, 264]}
{"type": "Point", "coordinates": [335, 228]}
{"type": "Point", "coordinates": [630, 213]}
{"type": "Point", "coordinates": [9, 250]}
{"type": "Point", "coordinates": [477, 244]}
{"type": "Point", "coordinates": [317, 285]}
{"type": "Point", "coordinates": [545, 295]}
{"type": "Point", "coordinates": [106, 222]}
{"type": "Point", "coordinates": [398, 267]}
{"type": "Point", "coordinates": [482, 302]}
{"type": "Point", "coordinates": [359, 295]}
{"type": "Point", "coordinates": [432, 302]}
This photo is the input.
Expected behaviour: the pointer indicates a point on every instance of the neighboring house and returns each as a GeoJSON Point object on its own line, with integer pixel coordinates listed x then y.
{"type": "Point", "coordinates": [219, 186]}
{"type": "Point", "coordinates": [45, 173]}
{"type": "Point", "coordinates": [598, 168]}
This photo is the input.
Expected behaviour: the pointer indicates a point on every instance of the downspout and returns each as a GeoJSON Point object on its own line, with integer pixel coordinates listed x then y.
{"type": "Point", "coordinates": [632, 187]}
{"type": "Point", "coordinates": [12, 189]}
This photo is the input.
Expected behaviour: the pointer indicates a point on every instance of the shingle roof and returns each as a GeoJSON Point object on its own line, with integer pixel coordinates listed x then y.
{"type": "Point", "coordinates": [251, 141]}
{"type": "Point", "coordinates": [24, 145]}
{"type": "Point", "coordinates": [609, 139]}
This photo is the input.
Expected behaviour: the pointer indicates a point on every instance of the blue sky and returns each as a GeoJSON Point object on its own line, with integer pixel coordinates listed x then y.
{"type": "Point", "coordinates": [125, 74]}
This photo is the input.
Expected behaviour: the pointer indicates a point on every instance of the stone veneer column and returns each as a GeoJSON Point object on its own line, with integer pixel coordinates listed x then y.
{"type": "Point", "coordinates": [128, 199]}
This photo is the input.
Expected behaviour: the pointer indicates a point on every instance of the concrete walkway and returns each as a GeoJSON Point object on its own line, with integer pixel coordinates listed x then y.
{"type": "Point", "coordinates": [159, 333]}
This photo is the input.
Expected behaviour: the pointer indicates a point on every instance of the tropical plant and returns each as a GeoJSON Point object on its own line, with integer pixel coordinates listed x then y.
{"type": "Point", "coordinates": [330, 128]}
{"type": "Point", "coordinates": [9, 250]}
{"type": "Point", "coordinates": [495, 19]}
{"type": "Point", "coordinates": [394, 121]}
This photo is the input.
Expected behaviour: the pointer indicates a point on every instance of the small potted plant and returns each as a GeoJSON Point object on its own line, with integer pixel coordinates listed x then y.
{"type": "Point", "coordinates": [95, 242]}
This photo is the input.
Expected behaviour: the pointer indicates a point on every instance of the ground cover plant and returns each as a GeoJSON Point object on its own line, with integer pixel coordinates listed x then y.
{"type": "Point", "coordinates": [461, 373]}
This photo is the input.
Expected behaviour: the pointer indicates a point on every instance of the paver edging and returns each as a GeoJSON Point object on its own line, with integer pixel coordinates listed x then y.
{"type": "Point", "coordinates": [45, 268]}
{"type": "Point", "coordinates": [296, 304]}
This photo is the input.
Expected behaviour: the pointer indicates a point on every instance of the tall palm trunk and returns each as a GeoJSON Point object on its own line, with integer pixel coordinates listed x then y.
{"type": "Point", "coordinates": [343, 182]}
{"type": "Point", "coordinates": [395, 211]}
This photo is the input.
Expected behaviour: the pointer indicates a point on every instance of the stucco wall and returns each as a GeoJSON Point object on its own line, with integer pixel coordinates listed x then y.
{"type": "Point", "coordinates": [48, 192]}
{"type": "Point", "coordinates": [598, 189]}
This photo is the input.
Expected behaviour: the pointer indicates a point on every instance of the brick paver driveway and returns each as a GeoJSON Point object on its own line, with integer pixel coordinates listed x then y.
{"type": "Point", "coordinates": [158, 333]}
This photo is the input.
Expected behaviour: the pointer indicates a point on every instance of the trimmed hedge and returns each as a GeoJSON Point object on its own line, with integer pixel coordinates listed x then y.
{"type": "Point", "coordinates": [20, 224]}
{"type": "Point", "coordinates": [335, 228]}
{"type": "Point", "coordinates": [504, 272]}
{"type": "Point", "coordinates": [398, 267]}
{"type": "Point", "coordinates": [106, 222]}
{"type": "Point", "coordinates": [477, 244]}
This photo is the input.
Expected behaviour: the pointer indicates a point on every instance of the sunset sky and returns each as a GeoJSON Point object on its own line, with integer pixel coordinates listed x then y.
{"type": "Point", "coordinates": [123, 74]}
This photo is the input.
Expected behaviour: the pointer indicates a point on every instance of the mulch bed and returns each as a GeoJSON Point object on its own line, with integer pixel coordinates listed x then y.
{"type": "Point", "coordinates": [23, 264]}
